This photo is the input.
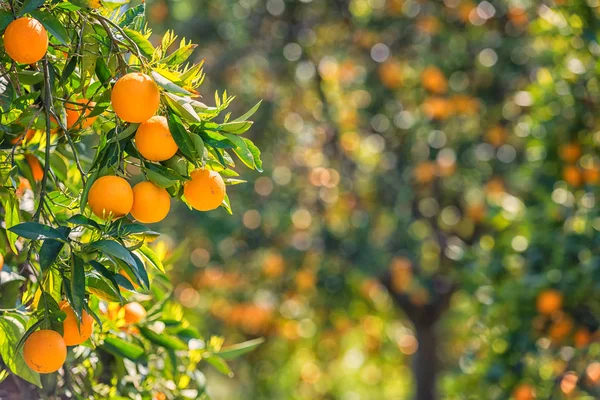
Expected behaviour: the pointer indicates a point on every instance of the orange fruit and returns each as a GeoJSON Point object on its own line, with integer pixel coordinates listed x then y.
{"type": "Point", "coordinates": [425, 172]}
{"type": "Point", "coordinates": [593, 372]}
{"type": "Point", "coordinates": [496, 135]}
{"type": "Point", "coordinates": [1, 260]}
{"type": "Point", "coordinates": [26, 40]}
{"type": "Point", "coordinates": [154, 141]}
{"type": "Point", "coordinates": [582, 338]}
{"type": "Point", "coordinates": [390, 73]}
{"type": "Point", "coordinates": [74, 112]}
{"type": "Point", "coordinates": [135, 97]}
{"type": "Point", "coordinates": [571, 175]}
{"type": "Point", "coordinates": [524, 391]}
{"type": "Point", "coordinates": [36, 168]}
{"type": "Point", "coordinates": [561, 328]}
{"type": "Point", "coordinates": [134, 312]}
{"type": "Point", "coordinates": [45, 351]}
{"type": "Point", "coordinates": [434, 80]}
{"type": "Point", "coordinates": [591, 175]}
{"type": "Point", "coordinates": [72, 333]}
{"type": "Point", "coordinates": [437, 108]}
{"type": "Point", "coordinates": [110, 195]}
{"type": "Point", "coordinates": [549, 301]}
{"type": "Point", "coordinates": [205, 191]}
{"type": "Point", "coordinates": [150, 203]}
{"type": "Point", "coordinates": [570, 152]}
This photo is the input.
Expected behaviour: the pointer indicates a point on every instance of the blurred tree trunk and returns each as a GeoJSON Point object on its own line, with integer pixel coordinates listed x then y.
{"type": "Point", "coordinates": [425, 363]}
{"type": "Point", "coordinates": [424, 318]}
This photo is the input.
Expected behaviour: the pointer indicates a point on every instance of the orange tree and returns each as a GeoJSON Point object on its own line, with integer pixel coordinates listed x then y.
{"type": "Point", "coordinates": [92, 101]}
{"type": "Point", "coordinates": [448, 148]}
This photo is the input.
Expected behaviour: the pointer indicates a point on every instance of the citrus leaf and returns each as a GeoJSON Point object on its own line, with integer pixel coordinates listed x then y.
{"type": "Point", "coordinates": [236, 350]}
{"type": "Point", "coordinates": [162, 340]}
{"type": "Point", "coordinates": [114, 249]}
{"type": "Point", "coordinates": [121, 348]}
{"type": "Point", "coordinates": [52, 25]}
{"type": "Point", "coordinates": [37, 231]}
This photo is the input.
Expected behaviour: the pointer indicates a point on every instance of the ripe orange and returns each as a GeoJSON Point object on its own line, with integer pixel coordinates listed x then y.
{"type": "Point", "coordinates": [205, 191]}
{"type": "Point", "coordinates": [24, 185]}
{"type": "Point", "coordinates": [582, 338]}
{"type": "Point", "coordinates": [110, 195]}
{"type": "Point", "coordinates": [524, 391]}
{"type": "Point", "coordinates": [571, 175]}
{"type": "Point", "coordinates": [36, 168]}
{"type": "Point", "coordinates": [570, 152]}
{"type": "Point", "coordinates": [434, 80]}
{"type": "Point", "coordinates": [26, 40]}
{"type": "Point", "coordinates": [591, 175]}
{"type": "Point", "coordinates": [73, 334]}
{"type": "Point", "coordinates": [437, 108]}
{"type": "Point", "coordinates": [135, 97]}
{"type": "Point", "coordinates": [154, 141]}
{"type": "Point", "coordinates": [561, 328]}
{"type": "Point", "coordinates": [74, 112]}
{"type": "Point", "coordinates": [134, 312]}
{"type": "Point", "coordinates": [150, 203]}
{"type": "Point", "coordinates": [425, 172]}
{"type": "Point", "coordinates": [45, 351]}
{"type": "Point", "coordinates": [549, 301]}
{"type": "Point", "coordinates": [390, 73]}
{"type": "Point", "coordinates": [1, 260]}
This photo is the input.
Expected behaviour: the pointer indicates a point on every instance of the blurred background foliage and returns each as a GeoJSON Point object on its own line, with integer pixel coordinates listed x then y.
{"type": "Point", "coordinates": [431, 185]}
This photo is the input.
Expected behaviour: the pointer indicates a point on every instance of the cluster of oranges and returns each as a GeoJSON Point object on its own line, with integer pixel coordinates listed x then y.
{"type": "Point", "coordinates": [549, 305]}
{"type": "Point", "coordinates": [135, 98]}
{"type": "Point", "coordinates": [588, 170]}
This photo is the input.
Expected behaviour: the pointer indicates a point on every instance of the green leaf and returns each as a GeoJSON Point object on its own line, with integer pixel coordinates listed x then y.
{"type": "Point", "coordinates": [183, 107]}
{"type": "Point", "coordinates": [12, 217]}
{"type": "Point", "coordinates": [236, 127]}
{"type": "Point", "coordinates": [86, 189]}
{"type": "Point", "coordinates": [29, 6]}
{"type": "Point", "coordinates": [139, 271]}
{"type": "Point", "coordinates": [6, 17]}
{"type": "Point", "coordinates": [182, 137]}
{"type": "Point", "coordinates": [220, 364]}
{"type": "Point", "coordinates": [52, 25]}
{"type": "Point", "coordinates": [79, 219]}
{"type": "Point", "coordinates": [180, 55]}
{"type": "Point", "coordinates": [106, 274]}
{"type": "Point", "coordinates": [101, 288]}
{"type": "Point", "coordinates": [241, 150]}
{"type": "Point", "coordinates": [11, 330]}
{"type": "Point", "coordinates": [77, 285]}
{"type": "Point", "coordinates": [159, 179]}
{"type": "Point", "coordinates": [133, 17]}
{"type": "Point", "coordinates": [255, 153]}
{"type": "Point", "coordinates": [249, 113]}
{"type": "Point", "coordinates": [151, 256]}
{"type": "Point", "coordinates": [114, 249]}
{"type": "Point", "coordinates": [102, 71]}
{"type": "Point", "coordinates": [162, 339]}
{"type": "Point", "coordinates": [236, 350]}
{"type": "Point", "coordinates": [10, 288]}
{"type": "Point", "coordinates": [68, 70]}
{"type": "Point", "coordinates": [199, 145]}
{"type": "Point", "coordinates": [121, 348]}
{"type": "Point", "coordinates": [30, 77]}
{"type": "Point", "coordinates": [169, 85]}
{"type": "Point", "coordinates": [49, 252]}
{"type": "Point", "coordinates": [37, 231]}
{"type": "Point", "coordinates": [143, 44]}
